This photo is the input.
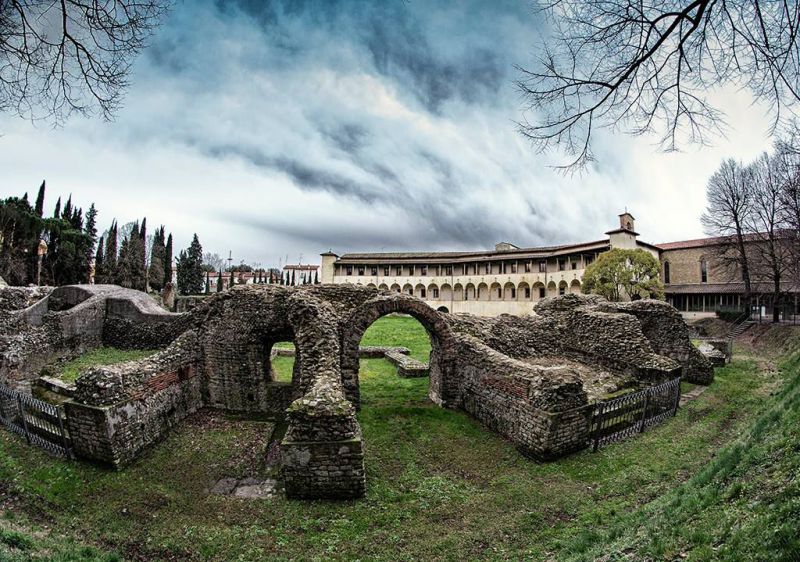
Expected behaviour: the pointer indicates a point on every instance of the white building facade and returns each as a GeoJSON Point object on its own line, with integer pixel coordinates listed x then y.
{"type": "Point", "coordinates": [507, 280]}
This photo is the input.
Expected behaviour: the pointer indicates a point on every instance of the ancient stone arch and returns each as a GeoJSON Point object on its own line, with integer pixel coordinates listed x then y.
{"type": "Point", "coordinates": [354, 326]}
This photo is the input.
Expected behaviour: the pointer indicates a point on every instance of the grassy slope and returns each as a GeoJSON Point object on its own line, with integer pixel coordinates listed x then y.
{"type": "Point", "coordinates": [440, 486]}
{"type": "Point", "coordinates": [101, 356]}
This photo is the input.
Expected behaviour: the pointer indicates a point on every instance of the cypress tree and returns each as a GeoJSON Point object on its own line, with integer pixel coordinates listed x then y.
{"type": "Point", "coordinates": [99, 266]}
{"type": "Point", "coordinates": [316, 277]}
{"type": "Point", "coordinates": [208, 282]}
{"type": "Point", "coordinates": [122, 272]}
{"type": "Point", "coordinates": [141, 258]}
{"type": "Point", "coordinates": [293, 278]}
{"type": "Point", "coordinates": [219, 281]}
{"type": "Point", "coordinates": [57, 212]}
{"type": "Point", "coordinates": [168, 261]}
{"type": "Point", "coordinates": [66, 214]}
{"type": "Point", "coordinates": [76, 220]}
{"type": "Point", "coordinates": [39, 208]}
{"type": "Point", "coordinates": [230, 280]}
{"type": "Point", "coordinates": [190, 269]}
{"type": "Point", "coordinates": [90, 229]}
{"type": "Point", "coordinates": [158, 251]}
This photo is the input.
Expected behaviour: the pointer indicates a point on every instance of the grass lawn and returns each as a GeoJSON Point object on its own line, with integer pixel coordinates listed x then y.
{"type": "Point", "coordinates": [101, 356]}
{"type": "Point", "coordinates": [440, 487]}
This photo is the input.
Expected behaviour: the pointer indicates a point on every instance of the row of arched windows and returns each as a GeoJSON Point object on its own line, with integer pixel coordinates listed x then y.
{"type": "Point", "coordinates": [484, 292]}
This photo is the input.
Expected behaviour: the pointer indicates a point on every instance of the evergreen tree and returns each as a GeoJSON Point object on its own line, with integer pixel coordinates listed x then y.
{"type": "Point", "coordinates": [230, 280]}
{"type": "Point", "coordinates": [208, 282]}
{"type": "Point", "coordinates": [39, 209]}
{"type": "Point", "coordinates": [219, 281]}
{"type": "Point", "coordinates": [168, 261]}
{"type": "Point", "coordinates": [57, 212]}
{"type": "Point", "coordinates": [316, 277]}
{"type": "Point", "coordinates": [158, 254]}
{"type": "Point", "coordinates": [122, 272]}
{"type": "Point", "coordinates": [142, 257]}
{"type": "Point", "coordinates": [110, 258]}
{"type": "Point", "coordinates": [99, 265]}
{"type": "Point", "coordinates": [293, 278]}
{"type": "Point", "coordinates": [76, 220]}
{"type": "Point", "coordinates": [190, 269]}
{"type": "Point", "coordinates": [66, 214]}
{"type": "Point", "coordinates": [90, 229]}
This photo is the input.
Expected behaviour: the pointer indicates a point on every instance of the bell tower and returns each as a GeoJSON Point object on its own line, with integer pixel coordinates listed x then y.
{"type": "Point", "coordinates": [624, 236]}
{"type": "Point", "coordinates": [626, 221]}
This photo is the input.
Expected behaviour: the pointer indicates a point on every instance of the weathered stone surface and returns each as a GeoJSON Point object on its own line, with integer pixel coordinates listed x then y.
{"type": "Point", "coordinates": [529, 378]}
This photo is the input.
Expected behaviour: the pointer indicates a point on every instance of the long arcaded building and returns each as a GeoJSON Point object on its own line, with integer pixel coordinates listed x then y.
{"type": "Point", "coordinates": [507, 279]}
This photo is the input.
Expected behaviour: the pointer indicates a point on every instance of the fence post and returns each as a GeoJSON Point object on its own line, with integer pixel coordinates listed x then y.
{"type": "Point", "coordinates": [597, 416]}
{"type": "Point", "coordinates": [644, 409]}
{"type": "Point", "coordinates": [64, 443]}
{"type": "Point", "coordinates": [22, 415]}
{"type": "Point", "coordinates": [677, 396]}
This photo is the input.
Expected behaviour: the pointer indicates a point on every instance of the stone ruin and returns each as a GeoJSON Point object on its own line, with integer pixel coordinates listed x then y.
{"type": "Point", "coordinates": [532, 379]}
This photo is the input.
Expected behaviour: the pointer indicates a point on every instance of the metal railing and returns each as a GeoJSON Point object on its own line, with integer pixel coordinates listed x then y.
{"type": "Point", "coordinates": [624, 416]}
{"type": "Point", "coordinates": [41, 423]}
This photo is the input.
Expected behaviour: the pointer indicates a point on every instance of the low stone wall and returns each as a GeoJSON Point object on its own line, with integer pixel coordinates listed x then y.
{"type": "Point", "coordinates": [407, 367]}
{"type": "Point", "coordinates": [542, 410]}
{"type": "Point", "coordinates": [118, 411]}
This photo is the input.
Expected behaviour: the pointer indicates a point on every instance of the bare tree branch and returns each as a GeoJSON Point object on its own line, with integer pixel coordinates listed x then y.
{"type": "Point", "coordinates": [59, 57]}
{"type": "Point", "coordinates": [647, 67]}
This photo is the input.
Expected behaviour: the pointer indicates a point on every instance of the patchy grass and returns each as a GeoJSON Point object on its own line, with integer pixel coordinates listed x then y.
{"type": "Point", "coordinates": [101, 356]}
{"type": "Point", "coordinates": [440, 486]}
{"type": "Point", "coordinates": [393, 330]}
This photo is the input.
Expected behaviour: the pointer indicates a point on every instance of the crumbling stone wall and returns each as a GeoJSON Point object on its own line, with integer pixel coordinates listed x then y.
{"type": "Point", "coordinates": [73, 319]}
{"type": "Point", "coordinates": [520, 376]}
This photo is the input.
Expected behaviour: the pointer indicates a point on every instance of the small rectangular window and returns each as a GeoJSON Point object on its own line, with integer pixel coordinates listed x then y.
{"type": "Point", "coordinates": [562, 265]}
{"type": "Point", "coordinates": [513, 268]}
{"type": "Point", "coordinates": [373, 270]}
{"type": "Point", "coordinates": [386, 271]}
{"type": "Point", "coordinates": [527, 267]}
{"type": "Point", "coordinates": [488, 268]}
{"type": "Point", "coordinates": [423, 270]}
{"type": "Point", "coordinates": [361, 270]}
{"type": "Point", "coordinates": [527, 292]}
{"type": "Point", "coordinates": [398, 271]}
{"type": "Point", "coordinates": [349, 270]}
{"type": "Point", "coordinates": [542, 267]}
{"type": "Point", "coordinates": [448, 270]}
{"type": "Point", "coordinates": [541, 292]}
{"type": "Point", "coordinates": [574, 265]}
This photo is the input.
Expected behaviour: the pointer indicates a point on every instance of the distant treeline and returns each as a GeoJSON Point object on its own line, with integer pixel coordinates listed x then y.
{"type": "Point", "coordinates": [124, 255]}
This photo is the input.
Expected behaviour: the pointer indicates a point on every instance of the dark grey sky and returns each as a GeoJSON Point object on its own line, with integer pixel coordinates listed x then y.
{"type": "Point", "coordinates": [291, 127]}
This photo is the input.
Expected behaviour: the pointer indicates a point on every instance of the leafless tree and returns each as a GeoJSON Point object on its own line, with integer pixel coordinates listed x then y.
{"type": "Point", "coordinates": [729, 204]}
{"type": "Point", "coordinates": [772, 256]}
{"type": "Point", "coordinates": [59, 57]}
{"type": "Point", "coordinates": [787, 155]}
{"type": "Point", "coordinates": [647, 67]}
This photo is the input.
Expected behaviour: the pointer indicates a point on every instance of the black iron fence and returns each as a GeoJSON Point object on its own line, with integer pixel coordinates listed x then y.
{"type": "Point", "coordinates": [42, 424]}
{"type": "Point", "coordinates": [621, 417]}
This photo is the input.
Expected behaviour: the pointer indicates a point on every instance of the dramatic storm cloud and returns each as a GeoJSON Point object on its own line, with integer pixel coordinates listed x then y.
{"type": "Point", "coordinates": [277, 129]}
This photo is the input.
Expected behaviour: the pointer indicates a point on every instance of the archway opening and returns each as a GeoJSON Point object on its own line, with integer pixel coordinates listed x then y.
{"type": "Point", "coordinates": [282, 360]}
{"type": "Point", "coordinates": [397, 376]}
